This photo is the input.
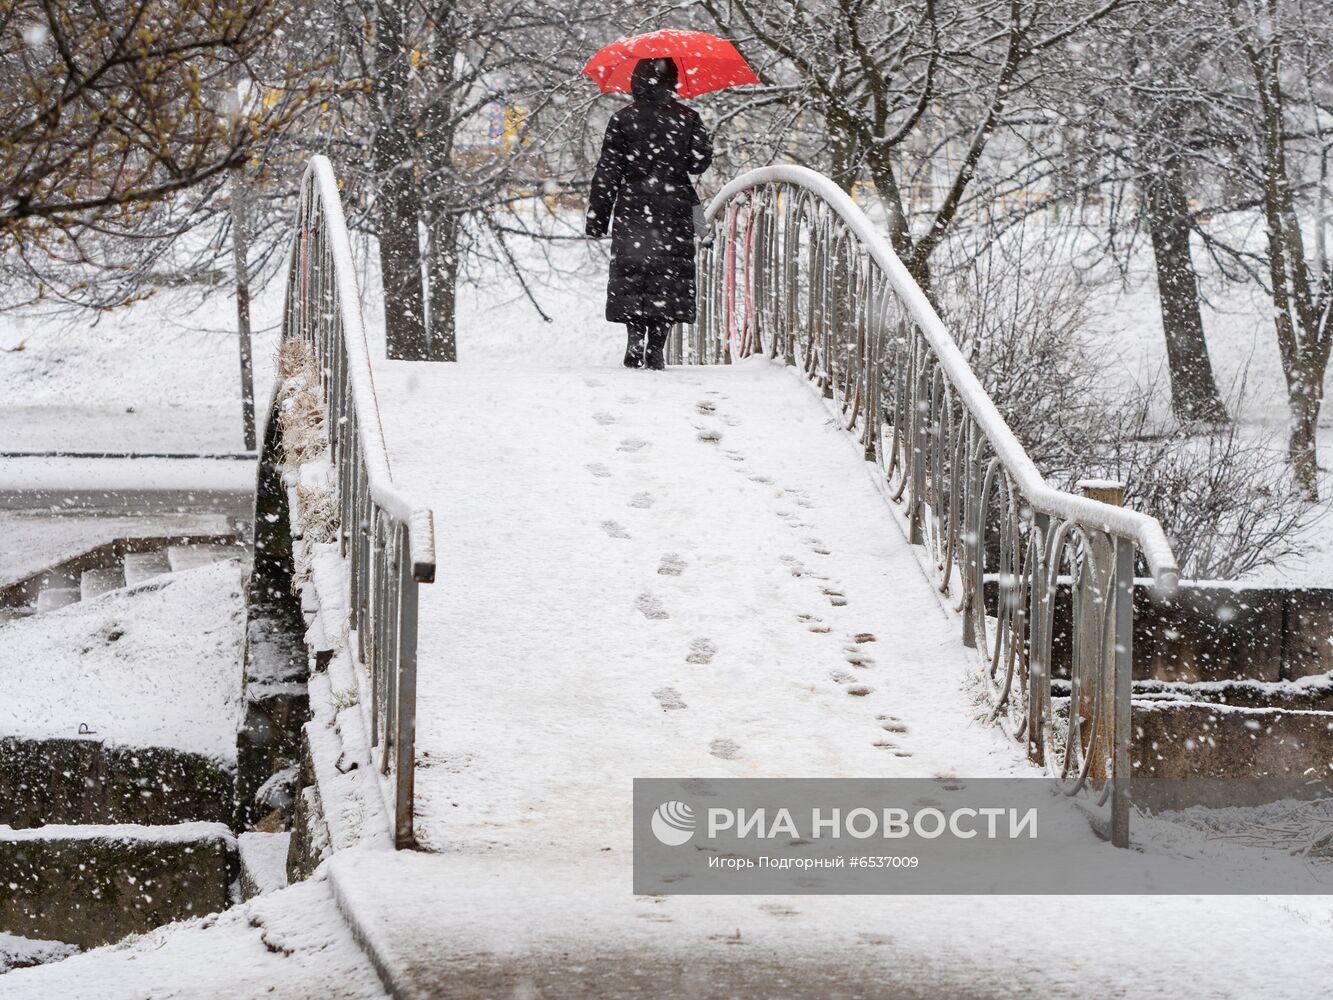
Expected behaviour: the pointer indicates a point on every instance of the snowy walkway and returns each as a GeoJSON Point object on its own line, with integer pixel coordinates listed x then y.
{"type": "Point", "coordinates": [688, 574]}
{"type": "Point", "coordinates": [693, 574]}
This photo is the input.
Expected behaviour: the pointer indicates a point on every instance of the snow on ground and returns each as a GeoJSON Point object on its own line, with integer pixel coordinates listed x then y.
{"type": "Point", "coordinates": [35, 540]}
{"type": "Point", "coordinates": [501, 925]}
{"type": "Point", "coordinates": [154, 665]}
{"type": "Point", "coordinates": [658, 575]}
{"type": "Point", "coordinates": [264, 856]}
{"type": "Point", "coordinates": [714, 560]}
{"type": "Point", "coordinates": [62, 476]}
{"type": "Point", "coordinates": [20, 952]}
{"type": "Point", "coordinates": [160, 375]}
{"type": "Point", "coordinates": [291, 944]}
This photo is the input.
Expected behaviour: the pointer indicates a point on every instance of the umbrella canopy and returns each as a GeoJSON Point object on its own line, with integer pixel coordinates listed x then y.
{"type": "Point", "coordinates": [705, 62]}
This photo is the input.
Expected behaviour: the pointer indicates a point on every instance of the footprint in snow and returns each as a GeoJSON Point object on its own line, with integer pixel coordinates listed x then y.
{"type": "Point", "coordinates": [671, 565]}
{"type": "Point", "coordinates": [629, 400]}
{"type": "Point", "coordinates": [701, 651]}
{"type": "Point", "coordinates": [761, 479]}
{"type": "Point", "coordinates": [670, 699]}
{"type": "Point", "coordinates": [725, 749]}
{"type": "Point", "coordinates": [705, 406]}
{"type": "Point", "coordinates": [642, 500]}
{"type": "Point", "coordinates": [650, 607]}
{"type": "Point", "coordinates": [604, 418]}
{"type": "Point", "coordinates": [731, 421]}
{"type": "Point", "coordinates": [592, 383]}
{"type": "Point", "coordinates": [631, 444]}
{"type": "Point", "coordinates": [710, 435]}
{"type": "Point", "coordinates": [614, 530]}
{"type": "Point", "coordinates": [835, 597]}
{"type": "Point", "coordinates": [598, 469]}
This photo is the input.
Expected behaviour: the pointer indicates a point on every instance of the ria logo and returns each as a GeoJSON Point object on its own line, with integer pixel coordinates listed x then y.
{"type": "Point", "coordinates": [673, 823]}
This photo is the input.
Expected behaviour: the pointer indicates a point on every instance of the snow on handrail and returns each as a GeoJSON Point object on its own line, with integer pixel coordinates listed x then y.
{"type": "Point", "coordinates": [374, 453]}
{"type": "Point", "coordinates": [1144, 529]}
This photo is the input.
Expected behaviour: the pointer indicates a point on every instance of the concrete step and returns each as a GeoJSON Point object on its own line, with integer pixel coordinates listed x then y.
{"type": "Point", "coordinates": [94, 582]}
{"type": "Point", "coordinates": [51, 598]}
{"type": "Point", "coordinates": [182, 557]}
{"type": "Point", "coordinates": [263, 862]}
{"type": "Point", "coordinates": [101, 883]}
{"type": "Point", "coordinates": [13, 614]}
{"type": "Point", "coordinates": [141, 566]}
{"type": "Point", "coordinates": [1314, 693]}
{"type": "Point", "coordinates": [1194, 740]}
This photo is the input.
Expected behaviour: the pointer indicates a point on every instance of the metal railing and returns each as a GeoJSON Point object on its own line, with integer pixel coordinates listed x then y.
{"type": "Point", "coordinates": [794, 269]}
{"type": "Point", "coordinates": [389, 543]}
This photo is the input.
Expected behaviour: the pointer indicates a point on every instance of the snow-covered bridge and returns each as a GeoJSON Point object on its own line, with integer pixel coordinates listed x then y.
{"type": "Point", "coordinates": [561, 579]}
{"type": "Point", "coordinates": [810, 548]}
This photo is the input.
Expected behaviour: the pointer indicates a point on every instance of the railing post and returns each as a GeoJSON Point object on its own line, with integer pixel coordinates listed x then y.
{"type": "Point", "coordinates": [1118, 687]}
{"type": "Point", "coordinates": [918, 417]}
{"type": "Point", "coordinates": [1039, 664]}
{"type": "Point", "coordinates": [1121, 767]}
{"type": "Point", "coordinates": [405, 738]}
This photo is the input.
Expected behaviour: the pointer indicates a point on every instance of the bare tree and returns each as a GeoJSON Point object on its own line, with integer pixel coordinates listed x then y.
{"type": "Point", "coordinates": [1301, 284]}
{"type": "Point", "coordinates": [886, 78]}
{"type": "Point", "coordinates": [111, 106]}
{"type": "Point", "coordinates": [436, 73]}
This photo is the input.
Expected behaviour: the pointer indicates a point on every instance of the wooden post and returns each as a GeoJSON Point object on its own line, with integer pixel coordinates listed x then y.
{"type": "Point", "coordinates": [1103, 491]}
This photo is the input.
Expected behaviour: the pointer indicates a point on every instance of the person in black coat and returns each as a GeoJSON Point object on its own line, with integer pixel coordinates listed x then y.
{"type": "Point", "coordinates": [643, 180]}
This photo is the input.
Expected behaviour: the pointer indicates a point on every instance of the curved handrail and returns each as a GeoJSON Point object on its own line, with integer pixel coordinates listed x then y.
{"type": "Point", "coordinates": [319, 176]}
{"type": "Point", "coordinates": [795, 268]}
{"type": "Point", "coordinates": [387, 542]}
{"type": "Point", "coordinates": [1144, 529]}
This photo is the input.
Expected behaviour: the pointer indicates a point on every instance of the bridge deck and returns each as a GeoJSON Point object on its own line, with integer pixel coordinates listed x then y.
{"type": "Point", "coordinates": [635, 578]}
{"type": "Point", "coordinates": [594, 529]}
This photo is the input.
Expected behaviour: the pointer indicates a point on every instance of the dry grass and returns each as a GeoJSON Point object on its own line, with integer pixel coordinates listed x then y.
{"type": "Point", "coordinates": [301, 413]}
{"type": "Point", "coordinates": [318, 512]}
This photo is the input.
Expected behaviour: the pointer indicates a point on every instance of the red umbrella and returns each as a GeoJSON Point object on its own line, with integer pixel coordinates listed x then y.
{"type": "Point", "coordinates": [705, 61]}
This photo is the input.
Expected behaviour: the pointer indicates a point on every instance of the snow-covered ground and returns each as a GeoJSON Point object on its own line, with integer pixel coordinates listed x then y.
{"type": "Point", "coordinates": [714, 563]}
{"type": "Point", "coordinates": [158, 665]}
{"type": "Point", "coordinates": [37, 539]}
{"type": "Point", "coordinates": [291, 944]}
{"type": "Point", "coordinates": [162, 375]}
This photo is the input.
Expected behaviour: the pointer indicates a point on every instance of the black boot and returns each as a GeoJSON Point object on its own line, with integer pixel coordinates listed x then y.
{"type": "Point", "coordinates": [634, 349]}
{"type": "Point", "coordinates": [654, 361]}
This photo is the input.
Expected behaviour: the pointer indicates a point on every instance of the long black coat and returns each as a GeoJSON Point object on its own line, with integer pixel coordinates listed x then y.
{"type": "Point", "coordinates": [643, 179]}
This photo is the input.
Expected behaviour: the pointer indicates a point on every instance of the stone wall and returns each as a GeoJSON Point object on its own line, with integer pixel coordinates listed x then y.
{"type": "Point", "coordinates": [94, 885]}
{"type": "Point", "coordinates": [76, 781]}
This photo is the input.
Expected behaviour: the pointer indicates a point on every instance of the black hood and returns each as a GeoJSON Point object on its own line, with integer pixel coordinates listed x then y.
{"type": "Point", "coordinates": [654, 80]}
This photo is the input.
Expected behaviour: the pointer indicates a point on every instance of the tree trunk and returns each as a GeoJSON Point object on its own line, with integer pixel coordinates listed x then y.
{"type": "Point", "coordinates": [1306, 398]}
{"type": "Point", "coordinates": [241, 256]}
{"type": "Point", "coordinates": [1194, 394]}
{"type": "Point", "coordinates": [442, 279]}
{"type": "Point", "coordinates": [398, 201]}
{"type": "Point", "coordinates": [442, 193]}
